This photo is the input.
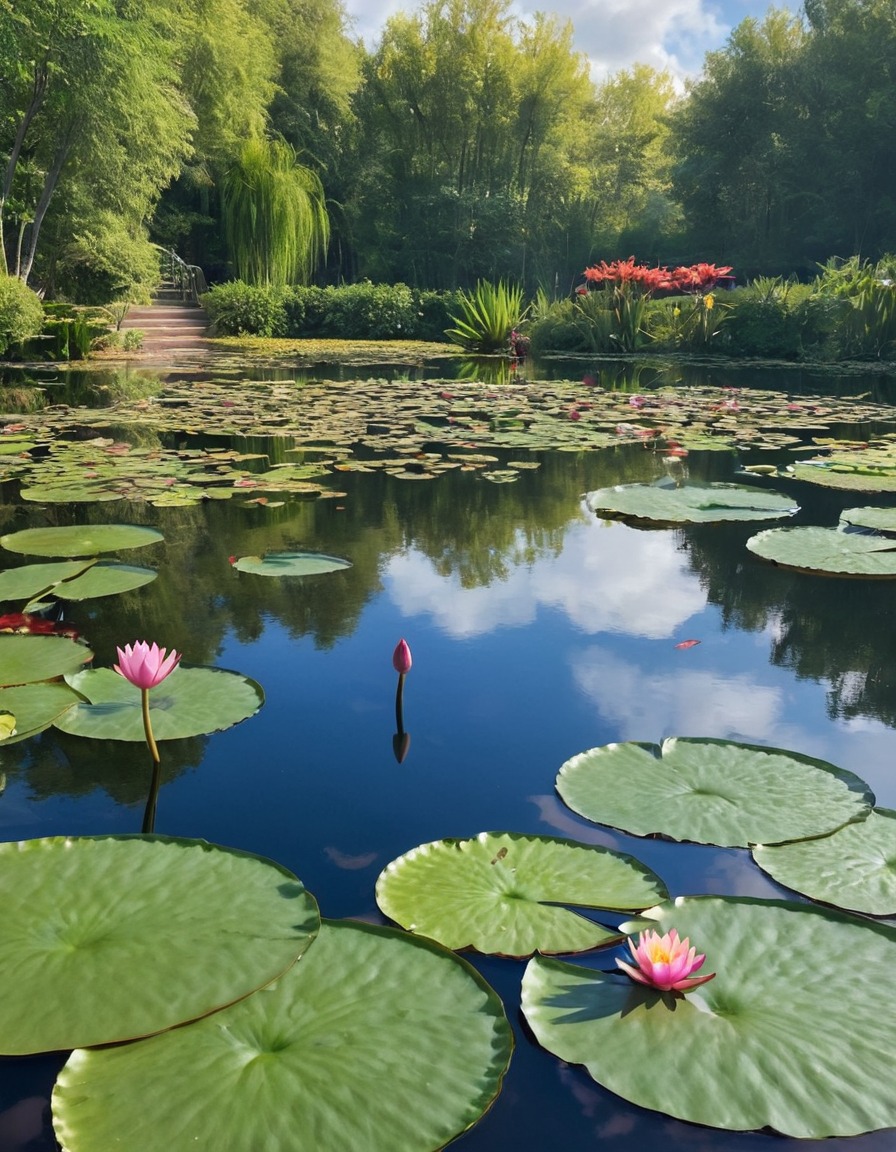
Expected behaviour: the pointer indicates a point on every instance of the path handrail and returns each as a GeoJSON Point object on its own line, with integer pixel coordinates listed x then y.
{"type": "Point", "coordinates": [188, 279]}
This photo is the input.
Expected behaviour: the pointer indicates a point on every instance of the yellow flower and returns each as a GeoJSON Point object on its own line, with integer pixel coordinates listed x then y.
{"type": "Point", "coordinates": [709, 302]}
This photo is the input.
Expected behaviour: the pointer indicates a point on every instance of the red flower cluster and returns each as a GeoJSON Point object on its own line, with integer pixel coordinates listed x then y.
{"type": "Point", "coordinates": [694, 278]}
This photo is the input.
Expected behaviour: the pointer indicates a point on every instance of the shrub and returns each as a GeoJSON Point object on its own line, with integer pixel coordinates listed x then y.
{"type": "Point", "coordinates": [239, 309]}
{"type": "Point", "coordinates": [305, 311]}
{"type": "Point", "coordinates": [106, 262]}
{"type": "Point", "coordinates": [434, 313]}
{"type": "Point", "coordinates": [21, 313]}
{"type": "Point", "coordinates": [766, 320]}
{"type": "Point", "coordinates": [368, 311]}
{"type": "Point", "coordinates": [562, 328]}
{"type": "Point", "coordinates": [488, 315]}
{"type": "Point", "coordinates": [867, 322]}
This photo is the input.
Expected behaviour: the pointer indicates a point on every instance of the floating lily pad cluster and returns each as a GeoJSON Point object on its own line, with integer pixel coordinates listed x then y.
{"type": "Point", "coordinates": [863, 544]}
{"type": "Point", "coordinates": [411, 430]}
{"type": "Point", "coordinates": [173, 962]}
{"type": "Point", "coordinates": [783, 1015]}
{"type": "Point", "coordinates": [43, 679]}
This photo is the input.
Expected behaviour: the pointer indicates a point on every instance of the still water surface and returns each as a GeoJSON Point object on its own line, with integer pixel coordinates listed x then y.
{"type": "Point", "coordinates": [537, 631]}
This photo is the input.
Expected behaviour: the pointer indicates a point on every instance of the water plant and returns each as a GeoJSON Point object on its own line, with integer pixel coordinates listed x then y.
{"type": "Point", "coordinates": [488, 315]}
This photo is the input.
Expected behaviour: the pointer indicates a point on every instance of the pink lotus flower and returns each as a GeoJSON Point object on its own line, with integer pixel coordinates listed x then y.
{"type": "Point", "coordinates": [664, 962]}
{"type": "Point", "coordinates": [145, 667]}
{"type": "Point", "coordinates": [401, 658]}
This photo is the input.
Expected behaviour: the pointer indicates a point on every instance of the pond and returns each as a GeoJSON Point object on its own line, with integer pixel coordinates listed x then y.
{"type": "Point", "coordinates": [538, 630]}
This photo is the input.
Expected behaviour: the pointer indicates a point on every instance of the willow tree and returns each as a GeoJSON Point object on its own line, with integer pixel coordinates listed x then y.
{"type": "Point", "coordinates": [275, 216]}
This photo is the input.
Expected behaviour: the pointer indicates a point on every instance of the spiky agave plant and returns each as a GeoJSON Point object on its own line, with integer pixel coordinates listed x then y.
{"type": "Point", "coordinates": [490, 313]}
{"type": "Point", "coordinates": [275, 217]}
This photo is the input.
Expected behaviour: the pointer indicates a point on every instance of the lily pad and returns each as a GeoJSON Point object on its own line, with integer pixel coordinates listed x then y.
{"type": "Point", "coordinates": [105, 579]}
{"type": "Point", "coordinates": [33, 580]}
{"type": "Point", "coordinates": [28, 659]}
{"type": "Point", "coordinates": [853, 868]}
{"type": "Point", "coordinates": [501, 892]}
{"type": "Point", "coordinates": [828, 551]}
{"type": "Point", "coordinates": [878, 519]}
{"type": "Point", "coordinates": [689, 504]}
{"type": "Point", "coordinates": [116, 937]}
{"type": "Point", "coordinates": [36, 707]}
{"type": "Point", "coordinates": [290, 564]}
{"type": "Point", "coordinates": [377, 1041]}
{"type": "Point", "coordinates": [794, 1033]}
{"type": "Point", "coordinates": [190, 702]}
{"type": "Point", "coordinates": [712, 791]}
{"type": "Point", "coordinates": [80, 539]}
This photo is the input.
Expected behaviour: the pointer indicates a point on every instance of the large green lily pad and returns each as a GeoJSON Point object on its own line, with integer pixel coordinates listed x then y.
{"type": "Point", "coordinates": [690, 503]}
{"type": "Point", "coordinates": [794, 1033]}
{"type": "Point", "coordinates": [501, 892]}
{"type": "Point", "coordinates": [853, 868]}
{"type": "Point", "coordinates": [28, 659]}
{"type": "Point", "coordinates": [108, 938]}
{"type": "Point", "coordinates": [828, 551]}
{"type": "Point", "coordinates": [105, 579]}
{"type": "Point", "coordinates": [80, 539]}
{"type": "Point", "coordinates": [878, 519]}
{"type": "Point", "coordinates": [33, 580]}
{"type": "Point", "coordinates": [712, 791]}
{"type": "Point", "coordinates": [290, 564]}
{"type": "Point", "coordinates": [376, 1041]}
{"type": "Point", "coordinates": [190, 702]}
{"type": "Point", "coordinates": [36, 707]}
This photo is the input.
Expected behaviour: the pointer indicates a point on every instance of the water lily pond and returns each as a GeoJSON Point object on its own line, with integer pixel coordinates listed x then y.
{"type": "Point", "coordinates": [650, 616]}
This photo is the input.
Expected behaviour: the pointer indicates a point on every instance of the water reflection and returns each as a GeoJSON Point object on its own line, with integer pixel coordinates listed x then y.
{"type": "Point", "coordinates": [537, 631]}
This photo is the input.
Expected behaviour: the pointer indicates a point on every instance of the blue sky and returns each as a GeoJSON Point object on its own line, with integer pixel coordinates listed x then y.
{"type": "Point", "coordinates": [614, 34]}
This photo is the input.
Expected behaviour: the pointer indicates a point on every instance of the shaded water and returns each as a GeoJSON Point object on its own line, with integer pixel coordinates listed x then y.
{"type": "Point", "coordinates": [537, 631]}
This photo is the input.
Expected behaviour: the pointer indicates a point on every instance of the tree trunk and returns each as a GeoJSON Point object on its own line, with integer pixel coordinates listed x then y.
{"type": "Point", "coordinates": [38, 91]}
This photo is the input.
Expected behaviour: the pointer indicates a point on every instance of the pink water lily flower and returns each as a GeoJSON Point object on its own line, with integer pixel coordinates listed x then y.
{"type": "Point", "coordinates": [664, 962]}
{"type": "Point", "coordinates": [145, 666]}
{"type": "Point", "coordinates": [401, 657]}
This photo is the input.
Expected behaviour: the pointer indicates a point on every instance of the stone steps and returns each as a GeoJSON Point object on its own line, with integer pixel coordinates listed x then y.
{"type": "Point", "coordinates": [168, 323]}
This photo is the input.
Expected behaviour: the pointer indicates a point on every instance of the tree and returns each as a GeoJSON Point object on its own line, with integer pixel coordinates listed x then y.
{"type": "Point", "coordinates": [630, 164]}
{"type": "Point", "coordinates": [275, 219]}
{"type": "Point", "coordinates": [89, 109]}
{"type": "Point", "coordinates": [737, 177]}
{"type": "Point", "coordinates": [469, 119]}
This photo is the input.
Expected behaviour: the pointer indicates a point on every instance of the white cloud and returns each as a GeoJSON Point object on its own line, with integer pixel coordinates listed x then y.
{"type": "Point", "coordinates": [609, 578]}
{"type": "Point", "coordinates": [613, 34]}
{"type": "Point", "coordinates": [651, 706]}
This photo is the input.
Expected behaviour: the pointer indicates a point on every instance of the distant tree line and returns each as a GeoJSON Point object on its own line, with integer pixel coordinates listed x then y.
{"type": "Point", "coordinates": [261, 141]}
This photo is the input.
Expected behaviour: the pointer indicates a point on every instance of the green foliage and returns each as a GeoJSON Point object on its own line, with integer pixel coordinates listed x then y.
{"type": "Point", "coordinates": [106, 261]}
{"type": "Point", "coordinates": [368, 311]}
{"type": "Point", "coordinates": [434, 312]}
{"type": "Point", "coordinates": [766, 319]}
{"type": "Point", "coordinates": [275, 219]}
{"type": "Point", "coordinates": [21, 313]}
{"type": "Point", "coordinates": [564, 328]}
{"type": "Point", "coordinates": [867, 316]}
{"type": "Point", "coordinates": [488, 315]}
{"type": "Point", "coordinates": [238, 309]}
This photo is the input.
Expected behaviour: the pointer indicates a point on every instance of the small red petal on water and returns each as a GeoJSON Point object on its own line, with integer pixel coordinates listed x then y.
{"type": "Point", "coordinates": [687, 644]}
{"type": "Point", "coordinates": [573, 415]}
{"type": "Point", "coordinates": [231, 559]}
